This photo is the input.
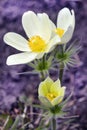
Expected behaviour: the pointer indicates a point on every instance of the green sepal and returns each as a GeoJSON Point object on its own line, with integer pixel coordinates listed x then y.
{"type": "Point", "coordinates": [56, 109]}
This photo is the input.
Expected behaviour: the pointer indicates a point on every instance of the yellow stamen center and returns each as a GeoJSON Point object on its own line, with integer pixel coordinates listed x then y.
{"type": "Point", "coordinates": [37, 44]}
{"type": "Point", "coordinates": [51, 96]}
{"type": "Point", "coordinates": [59, 31]}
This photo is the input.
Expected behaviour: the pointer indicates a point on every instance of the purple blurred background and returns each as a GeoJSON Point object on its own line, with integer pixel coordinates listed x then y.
{"type": "Point", "coordinates": [12, 85]}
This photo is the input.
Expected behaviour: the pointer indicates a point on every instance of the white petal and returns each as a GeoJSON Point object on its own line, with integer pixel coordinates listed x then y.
{"type": "Point", "coordinates": [21, 58]}
{"type": "Point", "coordinates": [73, 19]}
{"type": "Point", "coordinates": [53, 42]}
{"type": "Point", "coordinates": [60, 97]}
{"type": "Point", "coordinates": [45, 26]}
{"type": "Point", "coordinates": [64, 19]}
{"type": "Point", "coordinates": [45, 101]}
{"type": "Point", "coordinates": [17, 41]}
{"type": "Point", "coordinates": [53, 27]}
{"type": "Point", "coordinates": [30, 23]}
{"type": "Point", "coordinates": [67, 35]}
{"type": "Point", "coordinates": [57, 100]}
{"type": "Point", "coordinates": [40, 55]}
{"type": "Point", "coordinates": [62, 91]}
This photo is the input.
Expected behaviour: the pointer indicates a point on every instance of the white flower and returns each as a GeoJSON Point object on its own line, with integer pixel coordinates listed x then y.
{"type": "Point", "coordinates": [65, 25]}
{"type": "Point", "coordinates": [38, 30]}
{"type": "Point", "coordinates": [51, 93]}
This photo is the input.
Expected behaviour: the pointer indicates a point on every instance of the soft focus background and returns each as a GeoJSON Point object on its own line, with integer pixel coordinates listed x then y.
{"type": "Point", "coordinates": [13, 85]}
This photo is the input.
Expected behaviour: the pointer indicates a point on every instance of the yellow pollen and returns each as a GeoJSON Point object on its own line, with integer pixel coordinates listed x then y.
{"type": "Point", "coordinates": [37, 44]}
{"type": "Point", "coordinates": [59, 31]}
{"type": "Point", "coordinates": [51, 96]}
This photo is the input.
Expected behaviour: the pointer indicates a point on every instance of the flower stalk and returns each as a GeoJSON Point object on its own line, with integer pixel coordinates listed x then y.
{"type": "Point", "coordinates": [61, 66]}
{"type": "Point", "coordinates": [61, 70]}
{"type": "Point", "coordinates": [42, 76]}
{"type": "Point", "coordinates": [43, 67]}
{"type": "Point", "coordinates": [53, 123]}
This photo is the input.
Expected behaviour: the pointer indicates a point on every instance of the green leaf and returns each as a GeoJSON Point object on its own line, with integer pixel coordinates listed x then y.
{"type": "Point", "coordinates": [39, 128]}
{"type": "Point", "coordinates": [3, 116]}
{"type": "Point", "coordinates": [9, 123]}
{"type": "Point", "coordinates": [34, 72]}
{"type": "Point", "coordinates": [64, 102]}
{"type": "Point", "coordinates": [18, 120]}
{"type": "Point", "coordinates": [25, 99]}
{"type": "Point", "coordinates": [67, 57]}
{"type": "Point", "coordinates": [38, 106]}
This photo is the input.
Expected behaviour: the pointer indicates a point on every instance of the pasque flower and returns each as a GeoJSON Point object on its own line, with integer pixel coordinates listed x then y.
{"type": "Point", "coordinates": [65, 25]}
{"type": "Point", "coordinates": [39, 41]}
{"type": "Point", "coordinates": [51, 93]}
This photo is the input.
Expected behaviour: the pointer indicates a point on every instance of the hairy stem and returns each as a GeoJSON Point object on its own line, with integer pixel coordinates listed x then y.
{"type": "Point", "coordinates": [61, 67]}
{"type": "Point", "coordinates": [61, 70]}
{"type": "Point", "coordinates": [53, 122]}
{"type": "Point", "coordinates": [42, 73]}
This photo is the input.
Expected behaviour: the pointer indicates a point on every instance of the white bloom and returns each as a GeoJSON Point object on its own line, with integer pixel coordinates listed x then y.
{"type": "Point", "coordinates": [50, 92]}
{"type": "Point", "coordinates": [65, 25]}
{"type": "Point", "coordinates": [38, 29]}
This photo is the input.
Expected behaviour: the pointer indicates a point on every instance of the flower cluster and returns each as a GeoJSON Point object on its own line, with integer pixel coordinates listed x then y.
{"type": "Point", "coordinates": [45, 48]}
{"type": "Point", "coordinates": [42, 33]}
